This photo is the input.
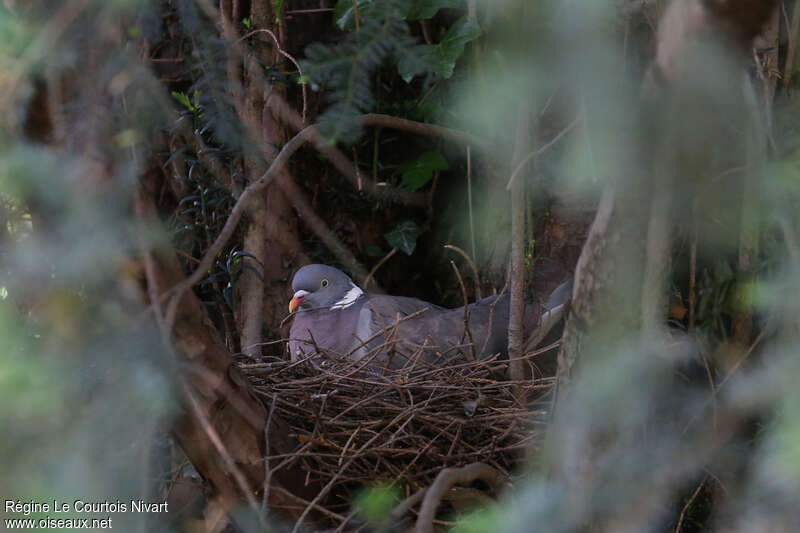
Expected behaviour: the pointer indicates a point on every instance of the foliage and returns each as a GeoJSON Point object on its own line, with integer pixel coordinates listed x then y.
{"type": "Point", "coordinates": [439, 58]}
{"type": "Point", "coordinates": [416, 174]}
{"type": "Point", "coordinates": [375, 503]}
{"type": "Point", "coordinates": [382, 34]}
{"type": "Point", "coordinates": [404, 236]}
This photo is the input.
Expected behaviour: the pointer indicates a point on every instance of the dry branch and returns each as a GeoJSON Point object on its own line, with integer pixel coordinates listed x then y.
{"type": "Point", "coordinates": [445, 480]}
{"type": "Point", "coordinates": [364, 425]}
{"type": "Point", "coordinates": [516, 368]}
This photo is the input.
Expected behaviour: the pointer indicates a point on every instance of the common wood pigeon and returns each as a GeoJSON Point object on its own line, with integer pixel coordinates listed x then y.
{"type": "Point", "coordinates": [336, 316]}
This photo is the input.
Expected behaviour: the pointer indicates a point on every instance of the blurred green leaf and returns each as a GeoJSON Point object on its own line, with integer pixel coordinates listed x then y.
{"type": "Point", "coordinates": [483, 520]}
{"type": "Point", "coordinates": [344, 14]}
{"type": "Point", "coordinates": [375, 503]}
{"type": "Point", "coordinates": [439, 58]}
{"type": "Point", "coordinates": [373, 250]}
{"type": "Point", "coordinates": [277, 9]}
{"type": "Point", "coordinates": [183, 99]}
{"type": "Point", "coordinates": [416, 174]}
{"type": "Point", "coordinates": [404, 236]}
{"type": "Point", "coordinates": [15, 35]}
{"type": "Point", "coordinates": [425, 9]}
{"type": "Point", "coordinates": [452, 44]}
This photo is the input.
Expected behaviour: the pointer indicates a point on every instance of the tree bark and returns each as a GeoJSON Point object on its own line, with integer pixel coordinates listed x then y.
{"type": "Point", "coordinates": [213, 385]}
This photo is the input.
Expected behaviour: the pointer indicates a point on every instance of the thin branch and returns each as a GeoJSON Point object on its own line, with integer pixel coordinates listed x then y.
{"type": "Point", "coordinates": [317, 10]}
{"type": "Point", "coordinates": [445, 480]}
{"type": "Point", "coordinates": [693, 267]}
{"type": "Point", "coordinates": [267, 469]}
{"type": "Point", "coordinates": [176, 292]}
{"type": "Point", "coordinates": [516, 368]}
{"type": "Point", "coordinates": [688, 504]}
{"type": "Point", "coordinates": [467, 331]}
{"type": "Point", "coordinates": [471, 222]}
{"type": "Point", "coordinates": [404, 506]}
{"type": "Point", "coordinates": [539, 151]}
{"type": "Point", "coordinates": [310, 133]}
{"type": "Point", "coordinates": [303, 85]}
{"type": "Point", "coordinates": [215, 439]}
{"type": "Point", "coordinates": [377, 266]}
{"type": "Point", "coordinates": [322, 493]}
{"type": "Point", "coordinates": [471, 264]}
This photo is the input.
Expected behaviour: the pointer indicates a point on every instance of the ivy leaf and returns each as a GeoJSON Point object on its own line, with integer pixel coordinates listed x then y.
{"type": "Point", "coordinates": [416, 174]}
{"type": "Point", "coordinates": [452, 44]}
{"type": "Point", "coordinates": [404, 236]}
{"type": "Point", "coordinates": [425, 9]}
{"type": "Point", "coordinates": [415, 60]}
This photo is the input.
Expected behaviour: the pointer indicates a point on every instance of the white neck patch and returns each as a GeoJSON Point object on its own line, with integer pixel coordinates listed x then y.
{"type": "Point", "coordinates": [349, 298]}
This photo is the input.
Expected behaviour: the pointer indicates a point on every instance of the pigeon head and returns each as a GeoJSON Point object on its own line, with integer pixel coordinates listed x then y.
{"type": "Point", "coordinates": [322, 286]}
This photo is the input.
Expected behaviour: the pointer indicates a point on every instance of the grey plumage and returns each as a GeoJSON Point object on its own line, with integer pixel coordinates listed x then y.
{"type": "Point", "coordinates": [336, 316]}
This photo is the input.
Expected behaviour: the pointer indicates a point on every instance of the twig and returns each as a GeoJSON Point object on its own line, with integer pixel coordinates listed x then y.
{"type": "Point", "coordinates": [355, 14]}
{"type": "Point", "coordinates": [322, 493]}
{"type": "Point", "coordinates": [471, 264]}
{"type": "Point", "coordinates": [215, 439]}
{"type": "Point", "coordinates": [377, 266]}
{"type": "Point", "coordinates": [467, 331]}
{"type": "Point", "coordinates": [688, 504]}
{"type": "Point", "coordinates": [317, 10]}
{"type": "Point", "coordinates": [539, 151]}
{"type": "Point", "coordinates": [516, 369]}
{"type": "Point", "coordinates": [316, 507]}
{"type": "Point", "coordinates": [404, 506]}
{"type": "Point", "coordinates": [176, 292]}
{"type": "Point", "coordinates": [693, 267]}
{"type": "Point", "coordinates": [267, 470]}
{"type": "Point", "coordinates": [303, 85]}
{"type": "Point", "coordinates": [445, 480]}
{"type": "Point", "coordinates": [469, 202]}
{"type": "Point", "coordinates": [491, 317]}
{"type": "Point", "coordinates": [385, 330]}
{"type": "Point", "coordinates": [742, 359]}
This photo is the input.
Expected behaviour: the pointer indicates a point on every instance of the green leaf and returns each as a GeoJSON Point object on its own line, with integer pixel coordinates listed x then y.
{"type": "Point", "coordinates": [438, 58]}
{"type": "Point", "coordinates": [344, 14]}
{"type": "Point", "coordinates": [415, 60]}
{"type": "Point", "coordinates": [452, 44]}
{"type": "Point", "coordinates": [416, 174]}
{"type": "Point", "coordinates": [182, 99]}
{"type": "Point", "coordinates": [375, 503]}
{"type": "Point", "coordinates": [347, 68]}
{"type": "Point", "coordinates": [247, 23]}
{"type": "Point", "coordinates": [425, 9]}
{"type": "Point", "coordinates": [373, 250]}
{"type": "Point", "coordinates": [404, 236]}
{"type": "Point", "coordinates": [277, 9]}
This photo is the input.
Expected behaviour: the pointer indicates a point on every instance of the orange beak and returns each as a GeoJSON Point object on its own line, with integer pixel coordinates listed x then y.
{"type": "Point", "coordinates": [298, 298]}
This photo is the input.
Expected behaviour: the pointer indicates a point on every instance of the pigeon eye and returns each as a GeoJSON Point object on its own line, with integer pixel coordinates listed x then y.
{"type": "Point", "coordinates": [324, 283]}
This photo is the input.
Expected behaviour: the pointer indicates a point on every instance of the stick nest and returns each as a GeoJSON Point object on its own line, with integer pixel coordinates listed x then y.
{"type": "Point", "coordinates": [356, 426]}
